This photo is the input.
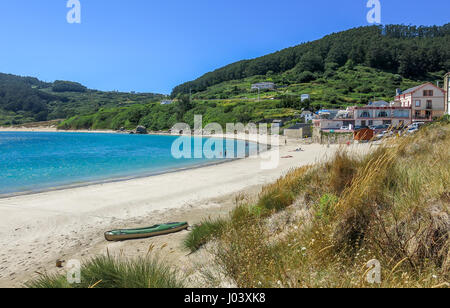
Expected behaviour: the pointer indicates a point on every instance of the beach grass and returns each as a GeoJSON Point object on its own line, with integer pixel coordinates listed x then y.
{"type": "Point", "coordinates": [111, 272]}
{"type": "Point", "coordinates": [319, 226]}
{"type": "Point", "coordinates": [203, 232]}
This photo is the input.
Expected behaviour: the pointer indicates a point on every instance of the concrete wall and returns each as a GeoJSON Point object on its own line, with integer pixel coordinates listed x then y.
{"type": "Point", "coordinates": [298, 133]}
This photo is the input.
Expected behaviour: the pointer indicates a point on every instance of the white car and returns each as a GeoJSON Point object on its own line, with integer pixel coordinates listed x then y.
{"type": "Point", "coordinates": [384, 134]}
{"type": "Point", "coordinates": [412, 130]}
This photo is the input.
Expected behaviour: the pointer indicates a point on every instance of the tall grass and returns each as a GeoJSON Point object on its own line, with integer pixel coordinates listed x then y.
{"type": "Point", "coordinates": [203, 232]}
{"type": "Point", "coordinates": [390, 205]}
{"type": "Point", "coordinates": [110, 272]}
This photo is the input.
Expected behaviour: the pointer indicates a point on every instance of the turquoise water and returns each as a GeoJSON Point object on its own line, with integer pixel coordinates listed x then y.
{"type": "Point", "coordinates": [32, 161]}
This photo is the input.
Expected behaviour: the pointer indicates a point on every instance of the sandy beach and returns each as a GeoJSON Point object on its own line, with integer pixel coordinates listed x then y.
{"type": "Point", "coordinates": [38, 229]}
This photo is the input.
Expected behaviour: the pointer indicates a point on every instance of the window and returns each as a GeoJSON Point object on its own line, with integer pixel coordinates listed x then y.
{"type": "Point", "coordinates": [382, 114]}
{"type": "Point", "coordinates": [363, 123]}
{"type": "Point", "coordinates": [428, 93]}
{"type": "Point", "coordinates": [370, 122]}
{"type": "Point", "coordinates": [418, 103]}
{"type": "Point", "coordinates": [401, 114]}
{"type": "Point", "coordinates": [429, 104]}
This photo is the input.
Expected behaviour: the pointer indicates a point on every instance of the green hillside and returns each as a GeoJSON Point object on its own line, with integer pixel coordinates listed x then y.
{"type": "Point", "coordinates": [342, 69]}
{"type": "Point", "coordinates": [339, 87]}
{"type": "Point", "coordinates": [233, 101]}
{"type": "Point", "coordinates": [26, 99]}
{"type": "Point", "coordinates": [410, 51]}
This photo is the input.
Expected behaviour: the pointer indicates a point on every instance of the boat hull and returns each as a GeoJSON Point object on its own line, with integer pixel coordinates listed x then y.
{"type": "Point", "coordinates": [123, 237]}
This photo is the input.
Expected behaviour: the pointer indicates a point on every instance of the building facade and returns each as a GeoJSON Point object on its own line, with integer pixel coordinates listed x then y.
{"type": "Point", "coordinates": [376, 116]}
{"type": "Point", "coordinates": [299, 130]}
{"type": "Point", "coordinates": [264, 86]}
{"type": "Point", "coordinates": [166, 102]}
{"type": "Point", "coordinates": [427, 102]}
{"type": "Point", "coordinates": [305, 97]}
{"type": "Point", "coordinates": [334, 119]}
{"type": "Point", "coordinates": [307, 116]}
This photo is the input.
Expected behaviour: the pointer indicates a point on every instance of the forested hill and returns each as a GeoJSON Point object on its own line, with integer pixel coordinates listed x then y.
{"type": "Point", "coordinates": [410, 51]}
{"type": "Point", "coordinates": [27, 99]}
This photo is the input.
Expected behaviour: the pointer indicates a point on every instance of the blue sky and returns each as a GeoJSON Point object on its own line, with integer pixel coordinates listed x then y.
{"type": "Point", "coordinates": [154, 45]}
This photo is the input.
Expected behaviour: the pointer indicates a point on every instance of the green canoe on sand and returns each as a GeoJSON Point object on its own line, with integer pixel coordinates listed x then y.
{"type": "Point", "coordinates": [121, 235]}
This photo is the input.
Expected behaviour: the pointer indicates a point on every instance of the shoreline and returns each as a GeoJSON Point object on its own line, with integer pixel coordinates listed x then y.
{"type": "Point", "coordinates": [38, 229]}
{"type": "Point", "coordinates": [250, 138]}
{"type": "Point", "coordinates": [112, 180]}
{"type": "Point", "coordinates": [240, 136]}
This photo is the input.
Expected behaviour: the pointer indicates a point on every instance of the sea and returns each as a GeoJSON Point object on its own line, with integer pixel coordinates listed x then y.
{"type": "Point", "coordinates": [39, 161]}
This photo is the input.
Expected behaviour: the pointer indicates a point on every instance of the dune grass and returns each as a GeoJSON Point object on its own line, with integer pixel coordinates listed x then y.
{"type": "Point", "coordinates": [110, 272]}
{"type": "Point", "coordinates": [203, 232]}
{"type": "Point", "coordinates": [391, 205]}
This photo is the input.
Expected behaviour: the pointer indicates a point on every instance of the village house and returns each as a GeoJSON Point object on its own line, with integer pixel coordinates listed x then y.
{"type": "Point", "coordinates": [264, 86]}
{"type": "Point", "coordinates": [307, 116]}
{"type": "Point", "coordinates": [334, 119]}
{"type": "Point", "coordinates": [305, 97]}
{"type": "Point", "coordinates": [373, 115]}
{"type": "Point", "coordinates": [166, 102]}
{"type": "Point", "coordinates": [425, 101]}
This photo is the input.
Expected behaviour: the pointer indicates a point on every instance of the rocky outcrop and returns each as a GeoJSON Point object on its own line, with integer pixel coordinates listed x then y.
{"type": "Point", "coordinates": [141, 130]}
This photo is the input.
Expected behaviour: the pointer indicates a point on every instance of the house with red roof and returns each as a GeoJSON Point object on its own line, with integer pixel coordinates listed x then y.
{"type": "Point", "coordinates": [427, 102]}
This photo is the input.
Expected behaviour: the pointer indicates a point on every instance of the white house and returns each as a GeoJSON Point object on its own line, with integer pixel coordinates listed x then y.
{"type": "Point", "coordinates": [305, 97]}
{"type": "Point", "coordinates": [166, 102]}
{"type": "Point", "coordinates": [264, 86]}
{"type": "Point", "coordinates": [307, 115]}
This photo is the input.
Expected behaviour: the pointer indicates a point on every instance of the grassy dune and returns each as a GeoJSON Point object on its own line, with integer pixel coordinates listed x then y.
{"type": "Point", "coordinates": [320, 225]}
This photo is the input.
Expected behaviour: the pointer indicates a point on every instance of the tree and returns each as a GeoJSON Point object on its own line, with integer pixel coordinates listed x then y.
{"type": "Point", "coordinates": [184, 105]}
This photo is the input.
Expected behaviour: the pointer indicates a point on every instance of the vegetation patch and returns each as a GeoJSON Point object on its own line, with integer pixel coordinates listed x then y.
{"type": "Point", "coordinates": [390, 205]}
{"type": "Point", "coordinates": [110, 272]}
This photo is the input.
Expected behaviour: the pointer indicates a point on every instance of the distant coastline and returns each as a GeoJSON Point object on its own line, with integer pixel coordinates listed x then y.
{"type": "Point", "coordinates": [43, 129]}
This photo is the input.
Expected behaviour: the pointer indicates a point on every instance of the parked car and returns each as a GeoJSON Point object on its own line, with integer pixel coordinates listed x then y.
{"type": "Point", "coordinates": [380, 127]}
{"type": "Point", "coordinates": [361, 127]}
{"type": "Point", "coordinates": [384, 134]}
{"type": "Point", "coordinates": [417, 125]}
{"type": "Point", "coordinates": [412, 130]}
{"type": "Point", "coordinates": [345, 128]}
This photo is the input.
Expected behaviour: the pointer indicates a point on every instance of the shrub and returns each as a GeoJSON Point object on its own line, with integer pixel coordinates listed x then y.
{"type": "Point", "coordinates": [204, 232]}
{"type": "Point", "coordinates": [110, 272]}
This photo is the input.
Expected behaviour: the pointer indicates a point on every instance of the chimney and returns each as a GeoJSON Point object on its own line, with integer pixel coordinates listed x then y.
{"type": "Point", "coordinates": [437, 83]}
{"type": "Point", "coordinates": [398, 92]}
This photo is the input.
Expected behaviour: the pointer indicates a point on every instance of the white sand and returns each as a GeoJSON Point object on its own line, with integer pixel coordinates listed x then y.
{"type": "Point", "coordinates": [38, 229]}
